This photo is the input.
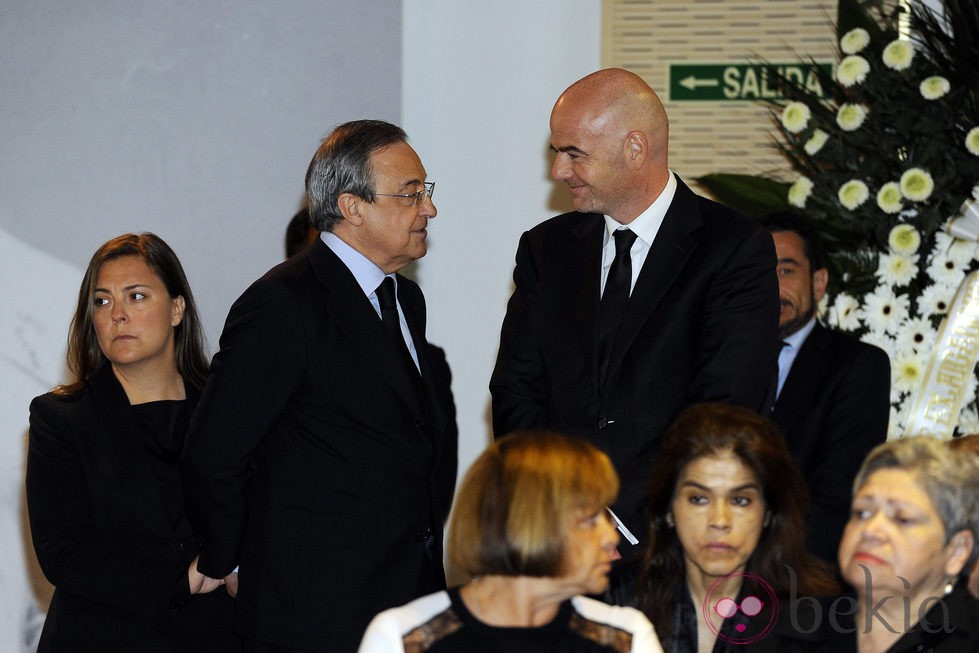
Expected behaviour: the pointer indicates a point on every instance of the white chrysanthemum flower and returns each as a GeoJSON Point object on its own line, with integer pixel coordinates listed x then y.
{"type": "Point", "coordinates": [845, 313]}
{"type": "Point", "coordinates": [916, 335]}
{"type": "Point", "coordinates": [816, 142]}
{"type": "Point", "coordinates": [850, 116]}
{"type": "Point", "coordinates": [883, 311]}
{"type": "Point", "coordinates": [961, 251]}
{"type": "Point", "coordinates": [917, 184]}
{"type": "Point", "coordinates": [852, 70]}
{"type": "Point", "coordinates": [903, 408]}
{"type": "Point", "coordinates": [968, 421]}
{"type": "Point", "coordinates": [881, 340]}
{"type": "Point", "coordinates": [853, 193]}
{"type": "Point", "coordinates": [800, 191]}
{"type": "Point", "coordinates": [943, 242]}
{"type": "Point", "coordinates": [895, 425]}
{"type": "Point", "coordinates": [907, 370]}
{"type": "Point", "coordinates": [945, 271]}
{"type": "Point", "coordinates": [934, 87]}
{"type": "Point", "coordinates": [898, 54]}
{"type": "Point", "coordinates": [935, 300]}
{"type": "Point", "coordinates": [795, 117]}
{"type": "Point", "coordinates": [854, 41]}
{"type": "Point", "coordinates": [972, 144]}
{"type": "Point", "coordinates": [889, 198]}
{"type": "Point", "coordinates": [822, 306]}
{"type": "Point", "coordinates": [904, 239]}
{"type": "Point", "coordinates": [897, 269]}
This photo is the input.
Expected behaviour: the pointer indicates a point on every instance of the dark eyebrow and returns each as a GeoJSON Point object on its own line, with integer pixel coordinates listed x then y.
{"type": "Point", "coordinates": [740, 488]}
{"type": "Point", "coordinates": [569, 148]}
{"type": "Point", "coordinates": [789, 259]}
{"type": "Point", "coordinates": [411, 182]}
{"type": "Point", "coordinates": [127, 288]}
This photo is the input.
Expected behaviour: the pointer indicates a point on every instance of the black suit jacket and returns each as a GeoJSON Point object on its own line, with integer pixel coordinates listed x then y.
{"type": "Point", "coordinates": [311, 462]}
{"type": "Point", "coordinates": [103, 535]}
{"type": "Point", "coordinates": [833, 409]}
{"type": "Point", "coordinates": [699, 326]}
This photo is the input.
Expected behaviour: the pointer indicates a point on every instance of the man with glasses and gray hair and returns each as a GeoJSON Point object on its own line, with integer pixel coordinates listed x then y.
{"type": "Point", "coordinates": [321, 463]}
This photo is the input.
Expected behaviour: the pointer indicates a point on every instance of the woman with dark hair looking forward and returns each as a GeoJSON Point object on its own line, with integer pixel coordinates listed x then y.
{"type": "Point", "coordinates": [103, 482]}
{"type": "Point", "coordinates": [726, 538]}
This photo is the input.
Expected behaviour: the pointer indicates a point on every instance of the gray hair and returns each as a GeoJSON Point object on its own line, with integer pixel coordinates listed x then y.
{"type": "Point", "coordinates": [342, 165]}
{"type": "Point", "coordinates": [949, 478]}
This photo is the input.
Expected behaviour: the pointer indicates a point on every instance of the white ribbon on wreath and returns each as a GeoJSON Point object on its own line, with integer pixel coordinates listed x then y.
{"type": "Point", "coordinates": [941, 395]}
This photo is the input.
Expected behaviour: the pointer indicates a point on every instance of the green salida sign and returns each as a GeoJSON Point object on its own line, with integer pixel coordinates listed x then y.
{"type": "Point", "coordinates": [740, 82]}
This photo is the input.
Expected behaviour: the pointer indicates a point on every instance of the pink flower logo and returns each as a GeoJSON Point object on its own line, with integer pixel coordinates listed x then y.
{"type": "Point", "coordinates": [717, 608]}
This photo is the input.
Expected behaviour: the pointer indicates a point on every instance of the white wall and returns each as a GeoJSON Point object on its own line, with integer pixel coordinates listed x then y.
{"type": "Point", "coordinates": [480, 79]}
{"type": "Point", "coordinates": [197, 121]}
{"type": "Point", "coordinates": [193, 119]}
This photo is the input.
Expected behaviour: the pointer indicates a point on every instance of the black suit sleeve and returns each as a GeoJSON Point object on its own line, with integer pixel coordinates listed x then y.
{"type": "Point", "coordinates": [517, 385]}
{"type": "Point", "coordinates": [133, 574]}
{"type": "Point", "coordinates": [738, 343]}
{"type": "Point", "coordinates": [855, 423]}
{"type": "Point", "coordinates": [260, 362]}
{"type": "Point", "coordinates": [448, 461]}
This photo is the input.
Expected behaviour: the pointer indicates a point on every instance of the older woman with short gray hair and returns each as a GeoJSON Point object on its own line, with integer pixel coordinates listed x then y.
{"type": "Point", "coordinates": [910, 537]}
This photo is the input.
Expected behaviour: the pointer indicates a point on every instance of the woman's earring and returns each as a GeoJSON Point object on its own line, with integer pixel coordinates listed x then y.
{"type": "Point", "coordinates": [669, 520]}
{"type": "Point", "coordinates": [949, 585]}
{"type": "Point", "coordinates": [768, 520]}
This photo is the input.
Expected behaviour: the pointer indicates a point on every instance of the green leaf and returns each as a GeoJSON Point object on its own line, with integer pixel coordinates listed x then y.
{"type": "Point", "coordinates": [755, 197]}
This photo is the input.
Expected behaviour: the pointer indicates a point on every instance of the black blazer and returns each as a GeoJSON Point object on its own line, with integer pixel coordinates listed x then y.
{"type": "Point", "coordinates": [311, 462]}
{"type": "Point", "coordinates": [699, 326]}
{"type": "Point", "coordinates": [833, 409]}
{"type": "Point", "coordinates": [103, 536]}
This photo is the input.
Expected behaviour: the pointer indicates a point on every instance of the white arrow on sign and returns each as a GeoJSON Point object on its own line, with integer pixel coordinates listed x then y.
{"type": "Point", "coordinates": [691, 83]}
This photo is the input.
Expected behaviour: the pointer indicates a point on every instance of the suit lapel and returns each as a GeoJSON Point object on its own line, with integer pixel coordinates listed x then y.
{"type": "Point", "coordinates": [807, 370]}
{"type": "Point", "coordinates": [354, 315]}
{"type": "Point", "coordinates": [582, 292]}
{"type": "Point", "coordinates": [414, 316]}
{"type": "Point", "coordinates": [114, 420]}
{"type": "Point", "coordinates": [674, 243]}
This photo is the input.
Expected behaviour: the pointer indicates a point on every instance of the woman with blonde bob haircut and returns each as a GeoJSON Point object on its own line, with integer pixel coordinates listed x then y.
{"type": "Point", "coordinates": [530, 527]}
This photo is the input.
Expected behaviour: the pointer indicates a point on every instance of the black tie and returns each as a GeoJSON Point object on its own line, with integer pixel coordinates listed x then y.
{"type": "Point", "coordinates": [387, 299]}
{"type": "Point", "coordinates": [616, 295]}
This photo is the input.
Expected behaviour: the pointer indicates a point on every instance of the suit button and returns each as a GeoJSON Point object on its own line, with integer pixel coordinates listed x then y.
{"type": "Point", "coordinates": [602, 423]}
{"type": "Point", "coordinates": [419, 424]}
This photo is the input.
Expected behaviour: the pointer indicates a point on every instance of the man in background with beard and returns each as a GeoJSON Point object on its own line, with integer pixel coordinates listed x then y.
{"type": "Point", "coordinates": [833, 398]}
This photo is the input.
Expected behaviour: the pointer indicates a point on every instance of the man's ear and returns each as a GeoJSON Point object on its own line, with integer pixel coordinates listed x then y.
{"type": "Point", "coordinates": [820, 278]}
{"type": "Point", "coordinates": [958, 551]}
{"type": "Point", "coordinates": [351, 207]}
{"type": "Point", "coordinates": [637, 148]}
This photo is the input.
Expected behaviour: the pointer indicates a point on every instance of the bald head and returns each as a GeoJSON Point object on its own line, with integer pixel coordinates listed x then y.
{"type": "Point", "coordinates": [617, 99]}
{"type": "Point", "coordinates": [611, 120]}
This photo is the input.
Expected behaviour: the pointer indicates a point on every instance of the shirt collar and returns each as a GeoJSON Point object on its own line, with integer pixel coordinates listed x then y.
{"type": "Point", "coordinates": [367, 274]}
{"type": "Point", "coordinates": [648, 222]}
{"type": "Point", "coordinates": [796, 339]}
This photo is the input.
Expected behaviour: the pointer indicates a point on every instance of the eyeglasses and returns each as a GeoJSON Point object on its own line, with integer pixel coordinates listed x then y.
{"type": "Point", "coordinates": [412, 199]}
